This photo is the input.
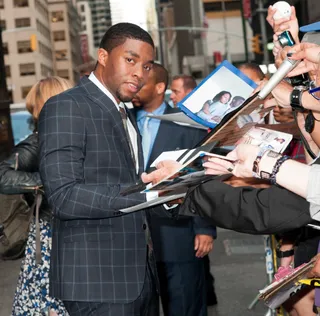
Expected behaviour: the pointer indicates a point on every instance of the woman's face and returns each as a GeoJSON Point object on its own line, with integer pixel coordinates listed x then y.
{"type": "Point", "coordinates": [225, 98]}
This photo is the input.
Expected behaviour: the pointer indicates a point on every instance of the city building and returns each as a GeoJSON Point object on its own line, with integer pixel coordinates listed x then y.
{"type": "Point", "coordinates": [225, 30]}
{"type": "Point", "coordinates": [26, 44]}
{"type": "Point", "coordinates": [101, 19]}
{"type": "Point", "coordinates": [182, 37]}
{"type": "Point", "coordinates": [139, 12]}
{"type": "Point", "coordinates": [86, 34]}
{"type": "Point", "coordinates": [65, 25]}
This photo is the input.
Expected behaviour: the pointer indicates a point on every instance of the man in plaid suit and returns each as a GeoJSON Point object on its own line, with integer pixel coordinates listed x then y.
{"type": "Point", "coordinates": [89, 152]}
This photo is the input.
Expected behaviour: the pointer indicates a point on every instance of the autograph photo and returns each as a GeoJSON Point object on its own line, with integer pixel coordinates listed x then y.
{"type": "Point", "coordinates": [222, 92]}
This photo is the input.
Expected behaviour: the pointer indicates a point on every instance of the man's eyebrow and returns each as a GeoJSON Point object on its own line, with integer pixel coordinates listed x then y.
{"type": "Point", "coordinates": [134, 54]}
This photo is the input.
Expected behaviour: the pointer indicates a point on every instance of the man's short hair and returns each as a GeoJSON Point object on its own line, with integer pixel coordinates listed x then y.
{"type": "Point", "coordinates": [255, 68]}
{"type": "Point", "coordinates": [160, 74]}
{"type": "Point", "coordinates": [189, 83]}
{"type": "Point", "coordinates": [119, 33]}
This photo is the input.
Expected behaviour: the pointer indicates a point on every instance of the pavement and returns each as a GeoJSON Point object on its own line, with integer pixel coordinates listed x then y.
{"type": "Point", "coordinates": [237, 263]}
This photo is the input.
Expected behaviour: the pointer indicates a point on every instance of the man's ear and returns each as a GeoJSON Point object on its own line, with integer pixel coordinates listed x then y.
{"type": "Point", "coordinates": [160, 88]}
{"type": "Point", "coordinates": [187, 91]}
{"type": "Point", "coordinates": [102, 56]}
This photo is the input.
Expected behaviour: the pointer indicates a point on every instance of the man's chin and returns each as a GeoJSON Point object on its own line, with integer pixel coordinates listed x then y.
{"type": "Point", "coordinates": [125, 98]}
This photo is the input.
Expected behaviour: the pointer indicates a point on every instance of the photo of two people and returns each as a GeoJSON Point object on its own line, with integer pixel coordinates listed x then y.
{"type": "Point", "coordinates": [220, 93]}
{"type": "Point", "coordinates": [214, 110]}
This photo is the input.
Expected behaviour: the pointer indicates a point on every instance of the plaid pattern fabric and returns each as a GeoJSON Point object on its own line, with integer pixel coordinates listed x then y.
{"type": "Point", "coordinates": [98, 255]}
{"type": "Point", "coordinates": [147, 304]}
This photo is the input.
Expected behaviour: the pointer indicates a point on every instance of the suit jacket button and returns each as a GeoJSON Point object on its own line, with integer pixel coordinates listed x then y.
{"type": "Point", "coordinates": [144, 226]}
{"type": "Point", "coordinates": [193, 210]}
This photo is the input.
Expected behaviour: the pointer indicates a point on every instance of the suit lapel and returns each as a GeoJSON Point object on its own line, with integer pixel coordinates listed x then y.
{"type": "Point", "coordinates": [106, 104]}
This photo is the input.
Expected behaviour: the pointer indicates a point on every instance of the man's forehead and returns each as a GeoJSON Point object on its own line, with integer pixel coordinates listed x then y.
{"type": "Point", "coordinates": [137, 48]}
{"type": "Point", "coordinates": [178, 83]}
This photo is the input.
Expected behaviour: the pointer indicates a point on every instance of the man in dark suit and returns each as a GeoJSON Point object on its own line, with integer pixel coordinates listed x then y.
{"type": "Point", "coordinates": [179, 244]}
{"type": "Point", "coordinates": [181, 86]}
{"type": "Point", "coordinates": [89, 152]}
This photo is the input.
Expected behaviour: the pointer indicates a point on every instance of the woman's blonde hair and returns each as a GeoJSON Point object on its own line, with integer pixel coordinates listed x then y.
{"type": "Point", "coordinates": [44, 90]}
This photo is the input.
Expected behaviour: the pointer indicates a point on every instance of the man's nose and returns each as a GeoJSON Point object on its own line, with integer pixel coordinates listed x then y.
{"type": "Point", "coordinates": [138, 71]}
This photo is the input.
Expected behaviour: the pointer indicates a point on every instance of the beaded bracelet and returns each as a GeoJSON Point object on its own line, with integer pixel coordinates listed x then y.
{"type": "Point", "coordinates": [276, 168]}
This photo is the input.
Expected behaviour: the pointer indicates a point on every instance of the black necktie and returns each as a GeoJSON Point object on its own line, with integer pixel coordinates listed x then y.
{"type": "Point", "coordinates": [124, 118]}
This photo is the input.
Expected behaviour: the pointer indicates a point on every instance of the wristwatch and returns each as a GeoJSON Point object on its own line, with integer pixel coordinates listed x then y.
{"type": "Point", "coordinates": [295, 98]}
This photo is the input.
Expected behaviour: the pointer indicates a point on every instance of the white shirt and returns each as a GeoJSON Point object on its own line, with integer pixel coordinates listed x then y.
{"type": "Point", "coordinates": [132, 132]}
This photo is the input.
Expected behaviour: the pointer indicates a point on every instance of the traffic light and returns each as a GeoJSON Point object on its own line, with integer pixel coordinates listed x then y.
{"type": "Point", "coordinates": [256, 47]}
{"type": "Point", "coordinates": [33, 42]}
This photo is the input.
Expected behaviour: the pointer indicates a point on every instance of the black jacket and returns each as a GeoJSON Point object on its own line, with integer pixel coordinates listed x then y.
{"type": "Point", "coordinates": [246, 209]}
{"type": "Point", "coordinates": [24, 158]}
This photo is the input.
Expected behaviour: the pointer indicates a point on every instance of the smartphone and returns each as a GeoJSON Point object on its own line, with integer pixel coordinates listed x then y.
{"type": "Point", "coordinates": [286, 39]}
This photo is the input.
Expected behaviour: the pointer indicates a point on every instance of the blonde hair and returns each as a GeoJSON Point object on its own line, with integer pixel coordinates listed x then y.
{"type": "Point", "coordinates": [44, 90]}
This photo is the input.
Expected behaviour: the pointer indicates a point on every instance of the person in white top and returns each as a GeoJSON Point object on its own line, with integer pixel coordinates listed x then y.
{"type": "Point", "coordinates": [213, 110]}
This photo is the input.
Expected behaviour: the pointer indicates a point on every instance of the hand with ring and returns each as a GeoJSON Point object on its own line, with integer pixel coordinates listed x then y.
{"type": "Point", "coordinates": [242, 156]}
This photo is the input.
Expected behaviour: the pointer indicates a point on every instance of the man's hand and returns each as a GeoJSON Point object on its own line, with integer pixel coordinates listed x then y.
{"type": "Point", "coordinates": [164, 169]}
{"type": "Point", "coordinates": [203, 244]}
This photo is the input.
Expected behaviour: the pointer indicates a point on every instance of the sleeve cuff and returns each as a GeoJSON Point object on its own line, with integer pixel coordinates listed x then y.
{"type": "Point", "coordinates": [313, 192]}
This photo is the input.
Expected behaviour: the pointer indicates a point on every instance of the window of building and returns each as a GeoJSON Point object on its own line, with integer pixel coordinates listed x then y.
{"type": "Point", "coordinates": [3, 25]}
{"type": "Point", "coordinates": [43, 30]}
{"type": "Point", "coordinates": [5, 49]}
{"type": "Point", "coordinates": [45, 51]}
{"type": "Point", "coordinates": [23, 22]}
{"type": "Point", "coordinates": [42, 9]}
{"type": "Point", "coordinates": [59, 36]}
{"type": "Point", "coordinates": [61, 54]}
{"type": "Point", "coordinates": [24, 47]}
{"type": "Point", "coordinates": [57, 16]}
{"type": "Point", "coordinates": [1, 4]}
{"type": "Point", "coordinates": [63, 73]}
{"type": "Point", "coordinates": [46, 71]}
{"type": "Point", "coordinates": [8, 71]}
{"type": "Point", "coordinates": [82, 8]}
{"type": "Point", "coordinates": [25, 91]}
{"type": "Point", "coordinates": [84, 27]}
{"type": "Point", "coordinates": [20, 3]}
{"type": "Point", "coordinates": [27, 69]}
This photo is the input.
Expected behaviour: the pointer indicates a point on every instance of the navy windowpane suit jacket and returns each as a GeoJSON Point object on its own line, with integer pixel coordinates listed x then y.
{"type": "Point", "coordinates": [98, 255]}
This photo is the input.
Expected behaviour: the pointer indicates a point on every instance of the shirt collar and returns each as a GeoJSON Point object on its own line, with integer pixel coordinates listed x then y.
{"type": "Point", "coordinates": [96, 81]}
{"type": "Point", "coordinates": [159, 111]}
